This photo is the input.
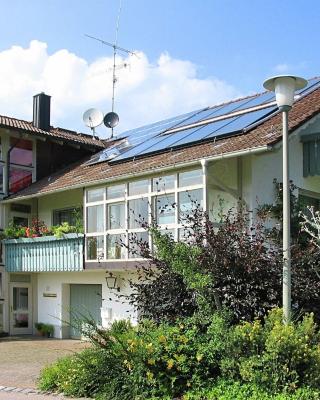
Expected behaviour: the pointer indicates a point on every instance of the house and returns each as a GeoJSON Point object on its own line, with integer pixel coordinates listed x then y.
{"type": "Point", "coordinates": [224, 152]}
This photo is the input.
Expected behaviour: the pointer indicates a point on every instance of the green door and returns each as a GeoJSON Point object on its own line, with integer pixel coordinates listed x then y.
{"type": "Point", "coordinates": [85, 301]}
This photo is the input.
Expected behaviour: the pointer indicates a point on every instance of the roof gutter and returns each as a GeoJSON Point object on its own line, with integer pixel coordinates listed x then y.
{"type": "Point", "coordinates": [241, 153]}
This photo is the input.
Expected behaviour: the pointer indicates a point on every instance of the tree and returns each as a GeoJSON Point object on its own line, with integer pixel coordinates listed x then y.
{"type": "Point", "coordinates": [237, 266]}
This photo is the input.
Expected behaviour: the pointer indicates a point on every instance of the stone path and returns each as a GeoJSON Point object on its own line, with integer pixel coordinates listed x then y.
{"type": "Point", "coordinates": [21, 360]}
{"type": "Point", "coordinates": [12, 393]}
{"type": "Point", "coordinates": [7, 393]}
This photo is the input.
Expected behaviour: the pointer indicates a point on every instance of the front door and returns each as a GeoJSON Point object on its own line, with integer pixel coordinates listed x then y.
{"type": "Point", "coordinates": [20, 309]}
{"type": "Point", "coordinates": [85, 303]}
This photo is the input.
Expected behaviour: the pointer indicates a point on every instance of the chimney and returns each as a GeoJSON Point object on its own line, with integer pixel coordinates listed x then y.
{"type": "Point", "coordinates": [41, 111]}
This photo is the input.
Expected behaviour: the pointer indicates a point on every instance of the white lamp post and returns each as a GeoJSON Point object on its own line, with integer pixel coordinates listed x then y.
{"type": "Point", "coordinates": [284, 87]}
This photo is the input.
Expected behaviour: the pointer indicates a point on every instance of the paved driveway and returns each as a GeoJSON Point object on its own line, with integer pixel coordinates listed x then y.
{"type": "Point", "coordinates": [32, 396]}
{"type": "Point", "coordinates": [22, 358]}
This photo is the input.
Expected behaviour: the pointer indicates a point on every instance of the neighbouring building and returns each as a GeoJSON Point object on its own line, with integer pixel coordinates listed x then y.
{"type": "Point", "coordinates": [226, 152]}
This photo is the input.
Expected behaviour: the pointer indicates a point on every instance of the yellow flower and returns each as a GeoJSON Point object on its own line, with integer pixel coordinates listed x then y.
{"type": "Point", "coordinates": [149, 347]}
{"type": "Point", "coordinates": [127, 364]}
{"type": "Point", "coordinates": [183, 339]}
{"type": "Point", "coordinates": [151, 361]}
{"type": "Point", "coordinates": [162, 339]}
{"type": "Point", "coordinates": [170, 363]}
{"type": "Point", "coordinates": [199, 357]}
{"type": "Point", "coordinates": [149, 375]}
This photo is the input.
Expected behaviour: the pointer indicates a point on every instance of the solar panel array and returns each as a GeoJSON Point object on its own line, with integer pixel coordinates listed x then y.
{"type": "Point", "coordinates": [194, 127]}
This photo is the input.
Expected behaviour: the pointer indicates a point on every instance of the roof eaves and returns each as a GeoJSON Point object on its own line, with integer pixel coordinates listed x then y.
{"type": "Point", "coordinates": [175, 165]}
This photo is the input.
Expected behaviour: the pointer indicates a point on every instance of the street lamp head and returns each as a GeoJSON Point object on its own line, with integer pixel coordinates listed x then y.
{"type": "Point", "coordinates": [284, 87]}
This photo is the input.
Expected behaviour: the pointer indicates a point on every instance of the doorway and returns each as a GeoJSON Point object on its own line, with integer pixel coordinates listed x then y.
{"type": "Point", "coordinates": [85, 302]}
{"type": "Point", "coordinates": [20, 309]}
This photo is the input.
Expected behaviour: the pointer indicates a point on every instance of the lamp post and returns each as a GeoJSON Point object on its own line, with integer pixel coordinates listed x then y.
{"type": "Point", "coordinates": [284, 87]}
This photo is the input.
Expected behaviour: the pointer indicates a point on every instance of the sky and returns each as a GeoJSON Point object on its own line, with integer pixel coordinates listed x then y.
{"type": "Point", "coordinates": [189, 54]}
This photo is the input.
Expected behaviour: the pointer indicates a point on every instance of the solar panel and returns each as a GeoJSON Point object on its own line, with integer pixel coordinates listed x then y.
{"type": "Point", "coordinates": [242, 122]}
{"type": "Point", "coordinates": [222, 127]}
{"type": "Point", "coordinates": [229, 108]}
{"type": "Point", "coordinates": [312, 83]}
{"type": "Point", "coordinates": [157, 136]}
{"type": "Point", "coordinates": [214, 112]}
{"type": "Point", "coordinates": [138, 135]}
{"type": "Point", "coordinates": [259, 100]}
{"type": "Point", "coordinates": [213, 129]}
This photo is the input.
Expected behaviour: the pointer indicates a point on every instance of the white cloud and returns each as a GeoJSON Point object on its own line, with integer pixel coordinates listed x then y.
{"type": "Point", "coordinates": [285, 68]}
{"type": "Point", "coordinates": [145, 91]}
{"type": "Point", "coordinates": [281, 68]}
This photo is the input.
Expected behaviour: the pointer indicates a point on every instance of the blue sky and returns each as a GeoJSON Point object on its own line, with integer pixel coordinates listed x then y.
{"type": "Point", "coordinates": [191, 54]}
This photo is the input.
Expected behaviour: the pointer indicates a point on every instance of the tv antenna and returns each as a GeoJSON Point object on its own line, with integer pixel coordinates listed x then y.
{"type": "Point", "coordinates": [111, 119]}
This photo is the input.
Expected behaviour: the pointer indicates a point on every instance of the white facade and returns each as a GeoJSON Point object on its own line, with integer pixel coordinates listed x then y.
{"type": "Point", "coordinates": [221, 182]}
{"type": "Point", "coordinates": [56, 310]}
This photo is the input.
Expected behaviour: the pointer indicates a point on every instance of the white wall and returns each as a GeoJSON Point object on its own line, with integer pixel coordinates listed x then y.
{"type": "Point", "coordinates": [267, 166]}
{"type": "Point", "coordinates": [66, 199]}
{"type": "Point", "coordinates": [55, 310]}
{"type": "Point", "coordinates": [225, 197]}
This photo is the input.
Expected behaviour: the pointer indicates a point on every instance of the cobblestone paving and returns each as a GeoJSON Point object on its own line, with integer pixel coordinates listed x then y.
{"type": "Point", "coordinates": [22, 358]}
{"type": "Point", "coordinates": [14, 393]}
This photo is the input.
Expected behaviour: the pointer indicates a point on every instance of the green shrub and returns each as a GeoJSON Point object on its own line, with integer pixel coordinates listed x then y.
{"type": "Point", "coordinates": [228, 390]}
{"type": "Point", "coordinates": [82, 374]}
{"type": "Point", "coordinates": [263, 360]}
{"type": "Point", "coordinates": [276, 356]}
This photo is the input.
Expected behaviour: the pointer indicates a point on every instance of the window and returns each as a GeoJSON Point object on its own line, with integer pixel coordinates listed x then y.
{"type": "Point", "coordinates": [95, 195]}
{"type": "Point", "coordinates": [69, 215]}
{"type": "Point", "coordinates": [21, 152]}
{"type": "Point", "coordinates": [308, 199]}
{"type": "Point", "coordinates": [1, 178]}
{"type": "Point", "coordinates": [115, 213]}
{"type": "Point", "coordinates": [21, 208]}
{"type": "Point", "coordinates": [116, 191]}
{"type": "Point", "coordinates": [134, 238]}
{"type": "Point", "coordinates": [138, 187]}
{"type": "Point", "coordinates": [95, 219]}
{"type": "Point", "coordinates": [1, 250]}
{"type": "Point", "coordinates": [20, 221]}
{"type": "Point", "coordinates": [165, 209]}
{"type": "Point", "coordinates": [1, 170]}
{"type": "Point", "coordinates": [19, 179]}
{"type": "Point", "coordinates": [116, 216]}
{"type": "Point", "coordinates": [190, 178]}
{"type": "Point", "coordinates": [189, 201]}
{"type": "Point", "coordinates": [21, 158]}
{"type": "Point", "coordinates": [138, 212]}
{"type": "Point", "coordinates": [115, 247]}
{"type": "Point", "coordinates": [20, 278]}
{"type": "Point", "coordinates": [163, 183]}
{"type": "Point", "coordinates": [95, 248]}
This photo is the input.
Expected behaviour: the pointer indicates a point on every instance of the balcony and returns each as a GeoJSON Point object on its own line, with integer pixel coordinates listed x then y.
{"type": "Point", "coordinates": [44, 254]}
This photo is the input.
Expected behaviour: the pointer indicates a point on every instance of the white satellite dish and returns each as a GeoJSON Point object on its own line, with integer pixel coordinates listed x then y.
{"type": "Point", "coordinates": [93, 118]}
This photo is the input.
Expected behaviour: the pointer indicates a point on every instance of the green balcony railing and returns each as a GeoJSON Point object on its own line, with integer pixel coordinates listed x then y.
{"type": "Point", "coordinates": [44, 254]}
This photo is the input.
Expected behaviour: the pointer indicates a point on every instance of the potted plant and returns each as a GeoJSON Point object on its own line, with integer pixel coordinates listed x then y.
{"type": "Point", "coordinates": [46, 330]}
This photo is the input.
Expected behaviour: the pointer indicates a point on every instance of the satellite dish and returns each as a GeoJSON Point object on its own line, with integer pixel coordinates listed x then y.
{"type": "Point", "coordinates": [111, 119]}
{"type": "Point", "coordinates": [93, 118]}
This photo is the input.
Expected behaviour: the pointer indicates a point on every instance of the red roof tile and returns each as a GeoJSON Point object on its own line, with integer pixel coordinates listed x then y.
{"type": "Point", "coordinates": [266, 134]}
{"type": "Point", "coordinates": [54, 133]}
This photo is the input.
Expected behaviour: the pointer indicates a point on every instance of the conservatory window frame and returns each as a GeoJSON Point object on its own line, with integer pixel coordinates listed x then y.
{"type": "Point", "coordinates": [150, 197]}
